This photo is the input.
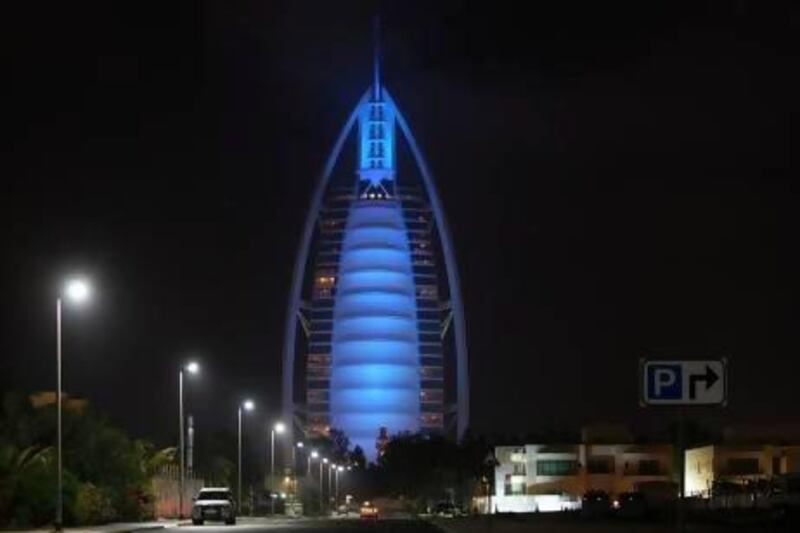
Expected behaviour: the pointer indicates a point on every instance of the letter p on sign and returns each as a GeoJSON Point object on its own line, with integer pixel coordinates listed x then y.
{"type": "Point", "coordinates": [664, 382]}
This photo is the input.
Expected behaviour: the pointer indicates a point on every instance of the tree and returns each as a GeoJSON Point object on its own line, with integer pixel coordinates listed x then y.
{"type": "Point", "coordinates": [335, 446]}
{"type": "Point", "coordinates": [105, 472]}
{"type": "Point", "coordinates": [426, 468]}
{"type": "Point", "coordinates": [27, 485]}
{"type": "Point", "coordinates": [216, 451]}
{"type": "Point", "coordinates": [357, 458]}
{"type": "Point", "coordinates": [339, 445]}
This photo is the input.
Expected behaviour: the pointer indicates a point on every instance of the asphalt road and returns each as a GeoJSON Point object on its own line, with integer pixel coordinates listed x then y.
{"type": "Point", "coordinates": [254, 525]}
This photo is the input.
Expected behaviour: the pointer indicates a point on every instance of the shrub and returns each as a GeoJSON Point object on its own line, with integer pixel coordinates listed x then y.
{"type": "Point", "coordinates": [92, 505]}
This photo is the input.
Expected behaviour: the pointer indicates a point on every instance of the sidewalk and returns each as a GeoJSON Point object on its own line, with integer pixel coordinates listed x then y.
{"type": "Point", "coordinates": [117, 527]}
{"type": "Point", "coordinates": [556, 523]}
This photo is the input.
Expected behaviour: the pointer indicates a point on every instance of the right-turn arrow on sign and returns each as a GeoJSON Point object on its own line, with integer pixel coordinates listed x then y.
{"type": "Point", "coordinates": [676, 382]}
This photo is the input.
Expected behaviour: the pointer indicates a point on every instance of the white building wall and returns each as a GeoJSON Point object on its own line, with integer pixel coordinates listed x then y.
{"type": "Point", "coordinates": [539, 492]}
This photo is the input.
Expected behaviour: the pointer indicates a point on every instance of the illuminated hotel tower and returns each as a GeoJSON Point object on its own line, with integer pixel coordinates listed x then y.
{"type": "Point", "coordinates": [382, 342]}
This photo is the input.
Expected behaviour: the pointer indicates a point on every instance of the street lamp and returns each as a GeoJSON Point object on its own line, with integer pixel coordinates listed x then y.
{"type": "Point", "coordinates": [193, 368]}
{"type": "Point", "coordinates": [331, 468]}
{"type": "Point", "coordinates": [297, 446]}
{"type": "Point", "coordinates": [339, 468]}
{"type": "Point", "coordinates": [313, 455]}
{"type": "Point", "coordinates": [322, 463]}
{"type": "Point", "coordinates": [295, 487]}
{"type": "Point", "coordinates": [77, 291]}
{"type": "Point", "coordinates": [278, 427]}
{"type": "Point", "coordinates": [246, 405]}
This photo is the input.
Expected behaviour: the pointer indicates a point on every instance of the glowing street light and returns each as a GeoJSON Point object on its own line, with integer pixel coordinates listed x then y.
{"type": "Point", "coordinates": [331, 469]}
{"type": "Point", "coordinates": [278, 427]}
{"type": "Point", "coordinates": [339, 468]}
{"type": "Point", "coordinates": [322, 463]}
{"type": "Point", "coordinates": [246, 405]}
{"type": "Point", "coordinates": [192, 368]}
{"type": "Point", "coordinates": [298, 446]}
{"type": "Point", "coordinates": [76, 291]}
{"type": "Point", "coordinates": [313, 455]}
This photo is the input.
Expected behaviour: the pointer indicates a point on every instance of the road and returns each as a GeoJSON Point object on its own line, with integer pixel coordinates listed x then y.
{"type": "Point", "coordinates": [466, 525]}
{"type": "Point", "coordinates": [255, 525]}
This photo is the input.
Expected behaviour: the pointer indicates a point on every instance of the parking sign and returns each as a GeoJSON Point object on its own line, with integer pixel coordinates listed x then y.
{"type": "Point", "coordinates": [676, 382]}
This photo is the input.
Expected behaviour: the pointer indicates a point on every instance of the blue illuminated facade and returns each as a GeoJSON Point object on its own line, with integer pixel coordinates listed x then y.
{"type": "Point", "coordinates": [375, 357]}
{"type": "Point", "coordinates": [381, 323]}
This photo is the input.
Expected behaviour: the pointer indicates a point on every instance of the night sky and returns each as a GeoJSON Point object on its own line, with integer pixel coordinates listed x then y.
{"type": "Point", "coordinates": [619, 179]}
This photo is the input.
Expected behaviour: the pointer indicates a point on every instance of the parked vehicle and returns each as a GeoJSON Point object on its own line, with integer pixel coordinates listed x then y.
{"type": "Point", "coordinates": [631, 505]}
{"type": "Point", "coordinates": [595, 503]}
{"type": "Point", "coordinates": [446, 509]}
{"type": "Point", "coordinates": [214, 503]}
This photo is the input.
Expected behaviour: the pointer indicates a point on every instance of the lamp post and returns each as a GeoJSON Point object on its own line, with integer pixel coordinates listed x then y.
{"type": "Point", "coordinates": [77, 291]}
{"type": "Point", "coordinates": [247, 405]}
{"type": "Point", "coordinates": [298, 445]}
{"type": "Point", "coordinates": [295, 478]}
{"type": "Point", "coordinates": [331, 467]}
{"type": "Point", "coordinates": [313, 455]}
{"type": "Point", "coordinates": [323, 462]}
{"type": "Point", "coordinates": [279, 427]}
{"type": "Point", "coordinates": [339, 468]}
{"type": "Point", "coordinates": [193, 368]}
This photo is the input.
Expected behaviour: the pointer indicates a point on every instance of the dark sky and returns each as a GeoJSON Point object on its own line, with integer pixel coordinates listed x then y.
{"type": "Point", "coordinates": [618, 178]}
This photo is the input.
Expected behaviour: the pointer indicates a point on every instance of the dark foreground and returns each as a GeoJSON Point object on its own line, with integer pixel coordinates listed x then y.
{"type": "Point", "coordinates": [469, 525]}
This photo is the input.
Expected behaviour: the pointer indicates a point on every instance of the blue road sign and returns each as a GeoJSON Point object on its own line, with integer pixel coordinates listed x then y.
{"type": "Point", "coordinates": [684, 382]}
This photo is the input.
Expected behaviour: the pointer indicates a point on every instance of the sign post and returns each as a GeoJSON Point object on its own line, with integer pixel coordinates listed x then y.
{"type": "Point", "coordinates": [682, 383]}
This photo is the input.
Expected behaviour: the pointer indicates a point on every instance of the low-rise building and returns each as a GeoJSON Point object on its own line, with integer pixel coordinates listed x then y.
{"type": "Point", "coordinates": [546, 477]}
{"type": "Point", "coordinates": [70, 403]}
{"type": "Point", "coordinates": [737, 463]}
